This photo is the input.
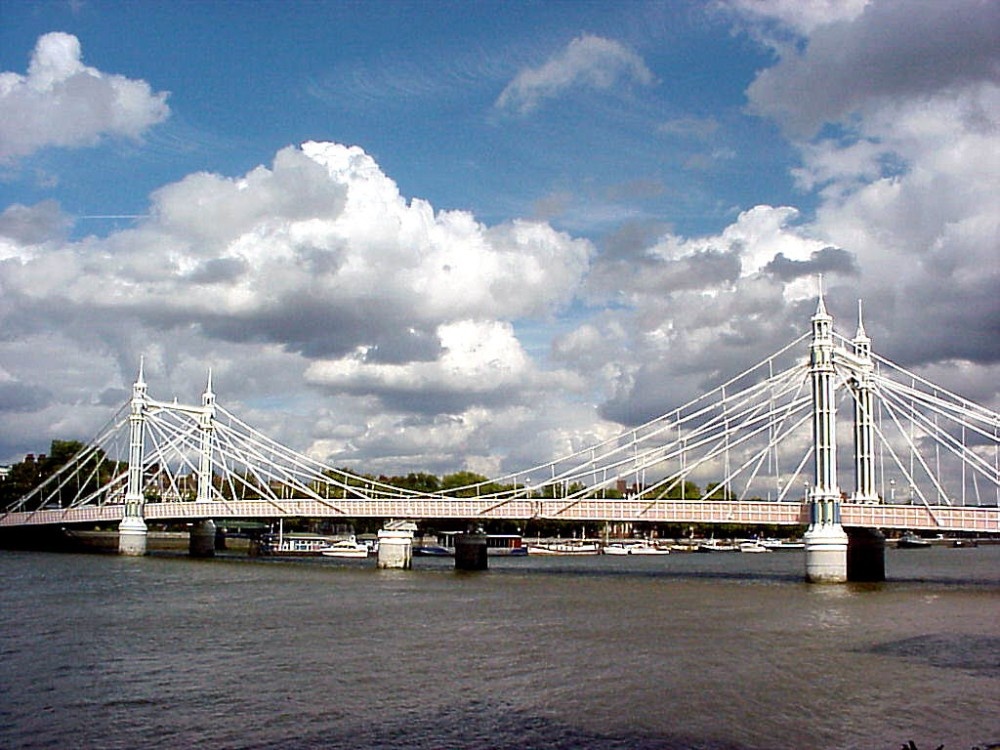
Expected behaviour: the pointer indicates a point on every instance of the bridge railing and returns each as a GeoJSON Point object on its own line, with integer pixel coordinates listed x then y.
{"type": "Point", "coordinates": [980, 520]}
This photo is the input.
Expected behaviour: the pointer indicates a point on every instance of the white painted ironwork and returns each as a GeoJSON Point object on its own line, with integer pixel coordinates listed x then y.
{"type": "Point", "coordinates": [202, 461]}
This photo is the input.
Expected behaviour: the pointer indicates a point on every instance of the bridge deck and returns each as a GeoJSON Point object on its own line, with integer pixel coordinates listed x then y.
{"type": "Point", "coordinates": [915, 517]}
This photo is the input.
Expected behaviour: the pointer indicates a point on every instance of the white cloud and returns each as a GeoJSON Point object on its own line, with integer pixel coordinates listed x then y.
{"type": "Point", "coordinates": [906, 218]}
{"type": "Point", "coordinates": [62, 102]}
{"type": "Point", "coordinates": [24, 226]}
{"type": "Point", "coordinates": [908, 184]}
{"type": "Point", "coordinates": [587, 61]}
{"type": "Point", "coordinates": [475, 358]}
{"type": "Point", "coordinates": [803, 16]}
{"type": "Point", "coordinates": [894, 51]}
{"type": "Point", "coordinates": [375, 331]}
{"type": "Point", "coordinates": [353, 293]}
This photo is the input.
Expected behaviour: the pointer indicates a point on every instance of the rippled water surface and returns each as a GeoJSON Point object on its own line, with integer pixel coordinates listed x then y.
{"type": "Point", "coordinates": [685, 651]}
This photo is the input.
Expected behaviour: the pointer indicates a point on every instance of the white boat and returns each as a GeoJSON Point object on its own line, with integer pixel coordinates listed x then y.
{"type": "Point", "coordinates": [633, 548]}
{"type": "Point", "coordinates": [713, 545]}
{"type": "Point", "coordinates": [909, 540]}
{"type": "Point", "coordinates": [564, 548]}
{"type": "Point", "coordinates": [346, 548]}
{"type": "Point", "coordinates": [752, 546]}
{"type": "Point", "coordinates": [778, 545]}
{"type": "Point", "coordinates": [295, 545]}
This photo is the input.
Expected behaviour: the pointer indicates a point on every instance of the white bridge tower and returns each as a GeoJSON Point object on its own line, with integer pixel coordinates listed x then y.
{"type": "Point", "coordinates": [826, 540]}
{"type": "Point", "coordinates": [132, 530]}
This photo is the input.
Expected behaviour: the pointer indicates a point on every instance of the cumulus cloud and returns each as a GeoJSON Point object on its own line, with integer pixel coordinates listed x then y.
{"type": "Point", "coordinates": [480, 362]}
{"type": "Point", "coordinates": [404, 337]}
{"type": "Point", "coordinates": [62, 102]}
{"type": "Point", "coordinates": [905, 218]}
{"type": "Point", "coordinates": [587, 62]}
{"type": "Point", "coordinates": [681, 314]}
{"type": "Point", "coordinates": [801, 15]}
{"type": "Point", "coordinates": [318, 253]}
{"type": "Point", "coordinates": [32, 225]}
{"type": "Point", "coordinates": [316, 258]}
{"type": "Point", "coordinates": [892, 51]}
{"type": "Point", "coordinates": [907, 180]}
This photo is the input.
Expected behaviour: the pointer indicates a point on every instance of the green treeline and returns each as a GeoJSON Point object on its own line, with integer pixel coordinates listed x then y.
{"type": "Point", "coordinates": [93, 471]}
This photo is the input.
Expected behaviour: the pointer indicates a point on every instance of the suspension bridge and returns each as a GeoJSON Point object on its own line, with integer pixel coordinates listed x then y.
{"type": "Point", "coordinates": [765, 444]}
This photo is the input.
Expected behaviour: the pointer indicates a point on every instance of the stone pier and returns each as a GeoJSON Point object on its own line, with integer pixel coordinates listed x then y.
{"type": "Point", "coordinates": [132, 535]}
{"type": "Point", "coordinates": [395, 545]}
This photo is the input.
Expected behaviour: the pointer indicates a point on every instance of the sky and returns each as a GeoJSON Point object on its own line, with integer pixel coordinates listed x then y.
{"type": "Point", "coordinates": [441, 236]}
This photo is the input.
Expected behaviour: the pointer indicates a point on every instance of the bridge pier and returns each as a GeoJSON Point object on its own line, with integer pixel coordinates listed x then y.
{"type": "Point", "coordinates": [826, 544]}
{"type": "Point", "coordinates": [132, 534]}
{"type": "Point", "coordinates": [471, 551]}
{"type": "Point", "coordinates": [201, 538]}
{"type": "Point", "coordinates": [395, 545]}
{"type": "Point", "coordinates": [865, 555]}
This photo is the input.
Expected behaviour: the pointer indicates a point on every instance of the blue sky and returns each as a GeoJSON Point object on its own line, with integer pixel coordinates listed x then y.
{"type": "Point", "coordinates": [416, 86]}
{"type": "Point", "coordinates": [557, 218]}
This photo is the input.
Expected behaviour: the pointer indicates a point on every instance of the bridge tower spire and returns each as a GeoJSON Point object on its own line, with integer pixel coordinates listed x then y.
{"type": "Point", "coordinates": [864, 429]}
{"type": "Point", "coordinates": [132, 530]}
{"type": "Point", "coordinates": [826, 540]}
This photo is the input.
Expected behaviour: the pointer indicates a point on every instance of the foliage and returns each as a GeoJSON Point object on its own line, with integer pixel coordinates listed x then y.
{"type": "Point", "coordinates": [28, 474]}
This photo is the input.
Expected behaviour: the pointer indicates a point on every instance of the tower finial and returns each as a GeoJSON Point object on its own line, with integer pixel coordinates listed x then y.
{"type": "Point", "coordinates": [208, 398]}
{"type": "Point", "coordinates": [139, 386]}
{"type": "Point", "coordinates": [821, 304]}
{"type": "Point", "coordinates": [861, 322]}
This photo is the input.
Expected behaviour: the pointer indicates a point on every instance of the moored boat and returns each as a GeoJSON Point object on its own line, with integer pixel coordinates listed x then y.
{"type": "Point", "coordinates": [633, 548]}
{"type": "Point", "coordinates": [780, 545]}
{"type": "Point", "coordinates": [713, 545]}
{"type": "Point", "coordinates": [752, 546]}
{"type": "Point", "coordinates": [346, 548]}
{"type": "Point", "coordinates": [433, 550]}
{"type": "Point", "coordinates": [296, 545]}
{"type": "Point", "coordinates": [909, 540]}
{"type": "Point", "coordinates": [564, 548]}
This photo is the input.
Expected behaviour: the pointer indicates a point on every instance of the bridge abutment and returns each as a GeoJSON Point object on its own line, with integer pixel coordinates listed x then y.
{"type": "Point", "coordinates": [395, 545]}
{"type": "Point", "coordinates": [865, 555]}
{"type": "Point", "coordinates": [201, 539]}
{"type": "Point", "coordinates": [132, 535]}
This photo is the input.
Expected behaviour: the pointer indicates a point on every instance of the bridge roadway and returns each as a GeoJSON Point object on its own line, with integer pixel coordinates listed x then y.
{"type": "Point", "coordinates": [985, 520]}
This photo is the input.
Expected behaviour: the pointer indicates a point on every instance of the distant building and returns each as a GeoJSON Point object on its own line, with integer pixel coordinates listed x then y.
{"type": "Point", "coordinates": [4, 472]}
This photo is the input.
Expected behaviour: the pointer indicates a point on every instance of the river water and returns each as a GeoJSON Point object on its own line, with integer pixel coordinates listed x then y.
{"type": "Point", "coordinates": [685, 651]}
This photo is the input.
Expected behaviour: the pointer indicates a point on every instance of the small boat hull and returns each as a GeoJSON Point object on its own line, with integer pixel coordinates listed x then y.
{"type": "Point", "coordinates": [912, 541]}
{"type": "Point", "coordinates": [563, 549]}
{"type": "Point", "coordinates": [620, 548]}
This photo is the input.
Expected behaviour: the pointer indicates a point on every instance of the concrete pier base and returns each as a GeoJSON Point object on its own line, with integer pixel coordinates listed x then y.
{"type": "Point", "coordinates": [395, 545]}
{"type": "Point", "coordinates": [132, 534]}
{"type": "Point", "coordinates": [471, 552]}
{"type": "Point", "coordinates": [201, 540]}
{"type": "Point", "coordinates": [826, 554]}
{"type": "Point", "coordinates": [865, 555]}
